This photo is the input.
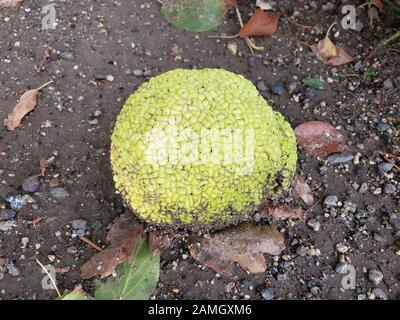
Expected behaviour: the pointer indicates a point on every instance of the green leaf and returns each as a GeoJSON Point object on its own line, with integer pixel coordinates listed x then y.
{"type": "Point", "coordinates": [77, 294]}
{"type": "Point", "coordinates": [314, 83]}
{"type": "Point", "coordinates": [194, 15]}
{"type": "Point", "coordinates": [138, 277]}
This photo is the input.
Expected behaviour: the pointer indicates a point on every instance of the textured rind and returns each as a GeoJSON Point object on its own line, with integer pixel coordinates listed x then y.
{"type": "Point", "coordinates": [199, 193]}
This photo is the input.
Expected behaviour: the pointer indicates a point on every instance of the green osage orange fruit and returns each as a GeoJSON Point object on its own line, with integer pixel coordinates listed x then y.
{"type": "Point", "coordinates": [200, 148]}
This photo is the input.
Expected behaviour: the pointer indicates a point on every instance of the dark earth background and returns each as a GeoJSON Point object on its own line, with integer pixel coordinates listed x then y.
{"type": "Point", "coordinates": [130, 41]}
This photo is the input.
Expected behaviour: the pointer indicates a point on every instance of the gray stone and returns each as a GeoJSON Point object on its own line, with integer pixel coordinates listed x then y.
{"type": "Point", "coordinates": [278, 89]}
{"type": "Point", "coordinates": [69, 56]}
{"type": "Point", "coordinates": [395, 221]}
{"type": "Point", "coordinates": [363, 188]}
{"type": "Point", "coordinates": [79, 227]}
{"type": "Point", "coordinates": [331, 201]}
{"type": "Point", "coordinates": [59, 193]}
{"type": "Point", "coordinates": [291, 86]}
{"type": "Point", "coordinates": [267, 294]}
{"type": "Point", "coordinates": [382, 127]}
{"type": "Point", "coordinates": [341, 268]}
{"type": "Point", "coordinates": [100, 77]}
{"type": "Point", "coordinates": [7, 225]}
{"type": "Point", "coordinates": [31, 184]}
{"type": "Point", "coordinates": [388, 84]}
{"type": "Point", "coordinates": [390, 188]}
{"type": "Point", "coordinates": [385, 167]}
{"type": "Point", "coordinates": [301, 251]}
{"type": "Point", "coordinates": [261, 86]}
{"type": "Point", "coordinates": [339, 158]}
{"type": "Point", "coordinates": [375, 276]}
{"type": "Point", "coordinates": [7, 214]}
{"type": "Point", "coordinates": [380, 294]}
{"type": "Point", "coordinates": [13, 270]}
{"type": "Point", "coordinates": [138, 72]}
{"type": "Point", "coordinates": [313, 223]}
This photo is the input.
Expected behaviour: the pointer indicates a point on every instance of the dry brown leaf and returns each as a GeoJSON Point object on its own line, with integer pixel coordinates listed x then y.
{"type": "Point", "coordinates": [245, 245]}
{"type": "Point", "coordinates": [280, 212]}
{"type": "Point", "coordinates": [45, 164]}
{"type": "Point", "coordinates": [329, 53]}
{"type": "Point", "coordinates": [262, 23]}
{"type": "Point", "coordinates": [302, 190]}
{"type": "Point", "coordinates": [26, 104]}
{"type": "Point", "coordinates": [123, 237]}
{"type": "Point", "coordinates": [160, 240]}
{"type": "Point", "coordinates": [10, 3]}
{"type": "Point", "coordinates": [319, 138]}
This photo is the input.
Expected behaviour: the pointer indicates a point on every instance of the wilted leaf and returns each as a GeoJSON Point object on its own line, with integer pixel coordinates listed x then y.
{"type": "Point", "coordinates": [331, 54]}
{"type": "Point", "coordinates": [138, 276]}
{"type": "Point", "coordinates": [281, 212]}
{"type": "Point", "coordinates": [260, 24]}
{"type": "Point", "coordinates": [123, 238]}
{"type": "Point", "coordinates": [245, 245]}
{"type": "Point", "coordinates": [160, 240]}
{"type": "Point", "coordinates": [9, 3]}
{"type": "Point", "coordinates": [25, 105]}
{"type": "Point", "coordinates": [76, 294]}
{"type": "Point", "coordinates": [319, 138]}
{"type": "Point", "coordinates": [195, 15]}
{"type": "Point", "coordinates": [263, 4]}
{"type": "Point", "coordinates": [302, 190]}
{"type": "Point", "coordinates": [314, 83]}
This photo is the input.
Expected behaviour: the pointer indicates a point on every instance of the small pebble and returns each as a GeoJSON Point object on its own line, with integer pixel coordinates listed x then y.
{"type": "Point", "coordinates": [375, 276]}
{"type": "Point", "coordinates": [390, 188]}
{"type": "Point", "coordinates": [267, 294]}
{"type": "Point", "coordinates": [261, 86]}
{"type": "Point", "coordinates": [339, 158]}
{"type": "Point", "coordinates": [7, 214]}
{"type": "Point", "coordinates": [31, 184]}
{"type": "Point", "coordinates": [278, 89]}
{"type": "Point", "coordinates": [331, 201]}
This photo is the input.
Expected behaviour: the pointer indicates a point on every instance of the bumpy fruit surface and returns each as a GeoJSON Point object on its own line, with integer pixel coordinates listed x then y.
{"type": "Point", "coordinates": [200, 148]}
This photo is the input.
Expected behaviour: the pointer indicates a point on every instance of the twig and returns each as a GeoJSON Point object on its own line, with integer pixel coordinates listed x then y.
{"type": "Point", "coordinates": [90, 243]}
{"type": "Point", "coordinates": [224, 37]}
{"type": "Point", "coordinates": [45, 85]}
{"type": "Point", "coordinates": [303, 26]}
{"type": "Point", "coordinates": [318, 201]}
{"type": "Point", "coordinates": [49, 275]}
{"type": "Point", "coordinates": [391, 158]}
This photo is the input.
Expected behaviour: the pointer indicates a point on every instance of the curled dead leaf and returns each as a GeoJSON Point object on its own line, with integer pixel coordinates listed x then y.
{"type": "Point", "coordinates": [10, 3]}
{"type": "Point", "coordinates": [26, 104]}
{"type": "Point", "coordinates": [302, 190]}
{"type": "Point", "coordinates": [245, 245]}
{"type": "Point", "coordinates": [262, 23]}
{"type": "Point", "coordinates": [280, 212]}
{"type": "Point", "coordinates": [319, 138]}
{"type": "Point", "coordinates": [123, 237]}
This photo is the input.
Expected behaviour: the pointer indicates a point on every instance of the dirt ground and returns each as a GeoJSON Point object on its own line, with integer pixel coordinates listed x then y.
{"type": "Point", "coordinates": [101, 52]}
